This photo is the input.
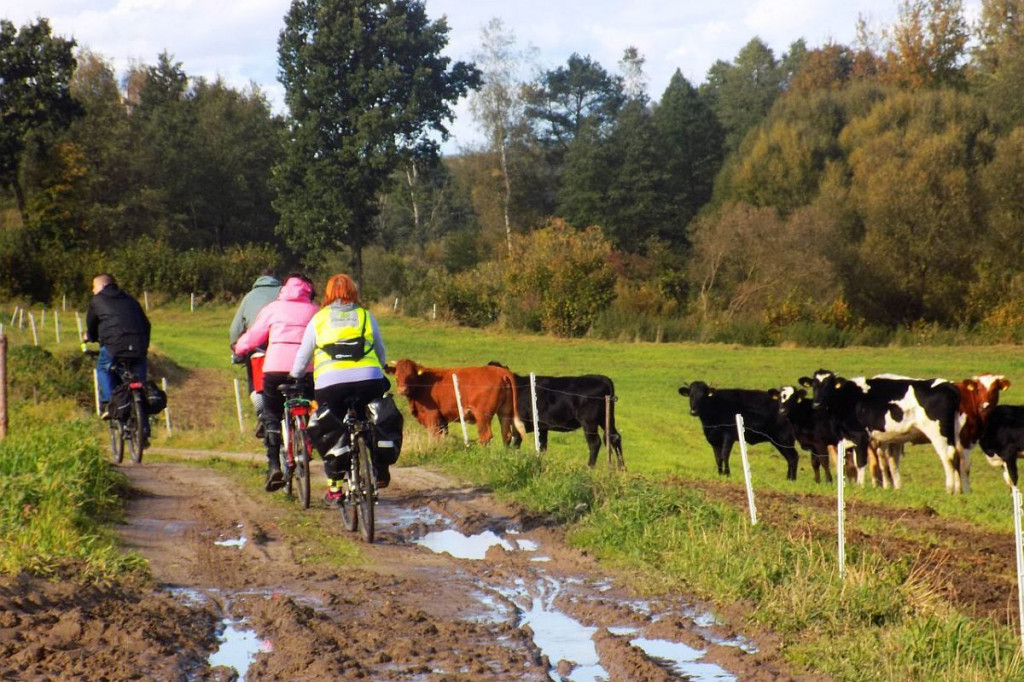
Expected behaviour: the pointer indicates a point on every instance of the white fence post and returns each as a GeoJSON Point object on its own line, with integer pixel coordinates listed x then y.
{"type": "Point", "coordinates": [841, 506]}
{"type": "Point", "coordinates": [746, 469]}
{"type": "Point", "coordinates": [533, 404]}
{"type": "Point", "coordinates": [1020, 559]}
{"type": "Point", "coordinates": [32, 323]}
{"type": "Point", "coordinates": [462, 415]}
{"type": "Point", "coordinates": [238, 405]}
{"type": "Point", "coordinates": [96, 388]}
{"type": "Point", "coordinates": [145, 297]}
{"type": "Point", "coordinates": [56, 325]}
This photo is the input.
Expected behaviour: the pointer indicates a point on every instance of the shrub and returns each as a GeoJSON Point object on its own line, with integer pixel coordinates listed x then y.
{"type": "Point", "coordinates": [561, 276]}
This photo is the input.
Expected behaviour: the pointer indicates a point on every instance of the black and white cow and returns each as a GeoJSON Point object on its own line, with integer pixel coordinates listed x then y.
{"type": "Point", "coordinates": [1003, 439]}
{"type": "Point", "coordinates": [567, 404]}
{"type": "Point", "coordinates": [717, 409]}
{"type": "Point", "coordinates": [892, 410]}
{"type": "Point", "coordinates": [811, 428]}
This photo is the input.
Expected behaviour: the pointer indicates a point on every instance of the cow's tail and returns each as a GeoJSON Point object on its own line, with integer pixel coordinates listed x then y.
{"type": "Point", "coordinates": [516, 419]}
{"type": "Point", "coordinates": [614, 439]}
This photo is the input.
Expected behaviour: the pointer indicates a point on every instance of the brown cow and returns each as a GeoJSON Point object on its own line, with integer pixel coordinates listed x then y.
{"type": "Point", "coordinates": [484, 391]}
{"type": "Point", "coordinates": [978, 397]}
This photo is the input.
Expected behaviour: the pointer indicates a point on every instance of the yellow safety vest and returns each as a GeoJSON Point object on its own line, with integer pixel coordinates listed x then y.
{"type": "Point", "coordinates": [332, 326]}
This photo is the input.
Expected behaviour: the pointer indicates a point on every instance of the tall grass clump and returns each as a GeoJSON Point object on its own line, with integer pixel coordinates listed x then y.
{"type": "Point", "coordinates": [56, 492]}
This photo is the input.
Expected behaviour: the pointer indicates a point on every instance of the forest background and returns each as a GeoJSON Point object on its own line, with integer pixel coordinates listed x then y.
{"type": "Point", "coordinates": [833, 195]}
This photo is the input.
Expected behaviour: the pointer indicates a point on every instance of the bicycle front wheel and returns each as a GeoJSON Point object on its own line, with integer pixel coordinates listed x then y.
{"type": "Point", "coordinates": [116, 440]}
{"type": "Point", "coordinates": [135, 427]}
{"type": "Point", "coordinates": [300, 448]}
{"type": "Point", "coordinates": [367, 486]}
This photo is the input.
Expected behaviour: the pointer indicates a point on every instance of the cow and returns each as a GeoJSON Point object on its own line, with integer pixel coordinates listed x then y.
{"type": "Point", "coordinates": [978, 395]}
{"type": "Point", "coordinates": [811, 428]}
{"type": "Point", "coordinates": [717, 409]}
{"type": "Point", "coordinates": [893, 410]}
{"type": "Point", "coordinates": [1003, 440]}
{"type": "Point", "coordinates": [569, 403]}
{"type": "Point", "coordinates": [484, 392]}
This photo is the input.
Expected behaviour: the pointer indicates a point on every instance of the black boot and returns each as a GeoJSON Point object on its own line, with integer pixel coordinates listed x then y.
{"type": "Point", "coordinates": [275, 477]}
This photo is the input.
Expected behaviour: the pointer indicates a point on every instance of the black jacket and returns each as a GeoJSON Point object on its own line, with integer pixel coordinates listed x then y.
{"type": "Point", "coordinates": [118, 322]}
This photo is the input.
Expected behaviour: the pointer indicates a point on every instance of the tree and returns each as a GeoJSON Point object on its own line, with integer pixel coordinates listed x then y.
{"type": "Point", "coordinates": [571, 96]}
{"type": "Point", "coordinates": [742, 92]}
{"type": "Point", "coordinates": [927, 45]}
{"type": "Point", "coordinates": [366, 86]}
{"type": "Point", "coordinates": [999, 60]}
{"type": "Point", "coordinates": [35, 97]}
{"type": "Point", "coordinates": [500, 105]}
{"type": "Point", "coordinates": [691, 149]}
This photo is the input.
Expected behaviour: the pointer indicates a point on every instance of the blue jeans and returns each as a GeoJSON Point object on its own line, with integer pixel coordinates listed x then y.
{"type": "Point", "coordinates": [108, 380]}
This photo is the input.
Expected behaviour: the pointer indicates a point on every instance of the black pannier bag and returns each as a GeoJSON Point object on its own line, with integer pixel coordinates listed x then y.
{"type": "Point", "coordinates": [120, 402]}
{"type": "Point", "coordinates": [387, 429]}
{"type": "Point", "coordinates": [156, 398]}
{"type": "Point", "coordinates": [324, 429]}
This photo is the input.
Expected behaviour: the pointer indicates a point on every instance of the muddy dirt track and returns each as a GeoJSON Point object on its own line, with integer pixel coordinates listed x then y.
{"type": "Point", "coordinates": [222, 564]}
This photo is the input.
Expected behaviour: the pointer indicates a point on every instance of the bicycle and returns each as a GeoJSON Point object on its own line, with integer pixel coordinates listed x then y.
{"type": "Point", "coordinates": [296, 448]}
{"type": "Point", "coordinates": [357, 505]}
{"type": "Point", "coordinates": [127, 422]}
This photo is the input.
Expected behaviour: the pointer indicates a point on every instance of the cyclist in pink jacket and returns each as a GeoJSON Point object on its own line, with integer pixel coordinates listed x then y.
{"type": "Point", "coordinates": [280, 325]}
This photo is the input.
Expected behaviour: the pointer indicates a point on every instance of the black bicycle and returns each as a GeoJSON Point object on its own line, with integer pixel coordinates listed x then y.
{"type": "Point", "coordinates": [357, 506]}
{"type": "Point", "coordinates": [128, 414]}
{"type": "Point", "coordinates": [296, 450]}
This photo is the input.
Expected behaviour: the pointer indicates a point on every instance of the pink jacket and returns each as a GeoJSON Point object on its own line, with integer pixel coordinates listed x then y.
{"type": "Point", "coordinates": [283, 322]}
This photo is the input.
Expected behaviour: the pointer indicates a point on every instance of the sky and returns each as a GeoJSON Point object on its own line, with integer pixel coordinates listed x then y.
{"type": "Point", "coordinates": [237, 39]}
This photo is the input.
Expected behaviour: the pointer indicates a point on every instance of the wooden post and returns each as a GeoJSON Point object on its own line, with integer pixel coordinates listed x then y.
{"type": "Point", "coordinates": [192, 302]}
{"type": "Point", "coordinates": [56, 325]}
{"type": "Point", "coordinates": [32, 323]}
{"type": "Point", "coordinates": [167, 410]}
{"type": "Point", "coordinates": [3, 385]}
{"type": "Point", "coordinates": [78, 321]}
{"type": "Point", "coordinates": [96, 389]}
{"type": "Point", "coordinates": [64, 302]}
{"type": "Point", "coordinates": [608, 427]}
{"type": "Point", "coordinates": [145, 297]}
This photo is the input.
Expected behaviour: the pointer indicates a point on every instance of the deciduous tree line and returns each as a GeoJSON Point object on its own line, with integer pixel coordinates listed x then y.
{"type": "Point", "coordinates": [879, 184]}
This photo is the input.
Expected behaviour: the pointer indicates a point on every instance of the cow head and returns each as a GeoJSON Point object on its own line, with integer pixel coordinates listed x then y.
{"type": "Point", "coordinates": [405, 372]}
{"type": "Point", "coordinates": [988, 388]}
{"type": "Point", "coordinates": [824, 384]}
{"type": "Point", "coordinates": [696, 392]}
{"type": "Point", "coordinates": [788, 397]}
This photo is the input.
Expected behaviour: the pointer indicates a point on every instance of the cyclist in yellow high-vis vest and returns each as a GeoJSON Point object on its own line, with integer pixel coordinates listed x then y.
{"type": "Point", "coordinates": [347, 350]}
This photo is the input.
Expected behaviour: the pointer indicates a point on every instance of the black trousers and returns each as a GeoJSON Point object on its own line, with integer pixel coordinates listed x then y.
{"type": "Point", "coordinates": [357, 394]}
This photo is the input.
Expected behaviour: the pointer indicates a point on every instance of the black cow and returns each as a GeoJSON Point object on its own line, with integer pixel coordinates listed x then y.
{"type": "Point", "coordinates": [891, 410]}
{"type": "Point", "coordinates": [811, 428]}
{"type": "Point", "coordinates": [1003, 439]}
{"type": "Point", "coordinates": [717, 409]}
{"type": "Point", "coordinates": [569, 403]}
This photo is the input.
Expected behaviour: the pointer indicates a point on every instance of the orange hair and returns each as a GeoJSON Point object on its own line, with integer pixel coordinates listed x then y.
{"type": "Point", "coordinates": [341, 288]}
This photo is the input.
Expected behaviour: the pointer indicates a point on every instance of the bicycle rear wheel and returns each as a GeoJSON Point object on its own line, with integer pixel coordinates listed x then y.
{"type": "Point", "coordinates": [349, 506]}
{"type": "Point", "coordinates": [299, 445]}
{"type": "Point", "coordinates": [135, 427]}
{"type": "Point", "coordinates": [367, 485]}
{"type": "Point", "coordinates": [116, 440]}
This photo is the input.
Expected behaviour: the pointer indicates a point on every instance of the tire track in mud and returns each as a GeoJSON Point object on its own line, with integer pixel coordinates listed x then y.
{"type": "Point", "coordinates": [410, 613]}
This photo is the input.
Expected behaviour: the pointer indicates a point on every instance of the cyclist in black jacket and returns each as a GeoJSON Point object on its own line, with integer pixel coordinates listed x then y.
{"type": "Point", "coordinates": [118, 323]}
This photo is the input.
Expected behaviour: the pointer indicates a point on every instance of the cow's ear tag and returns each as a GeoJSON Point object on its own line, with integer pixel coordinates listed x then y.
{"type": "Point", "coordinates": [774, 397]}
{"type": "Point", "coordinates": [419, 372]}
{"type": "Point", "coordinates": [837, 385]}
{"type": "Point", "coordinates": [970, 387]}
{"type": "Point", "coordinates": [711, 391]}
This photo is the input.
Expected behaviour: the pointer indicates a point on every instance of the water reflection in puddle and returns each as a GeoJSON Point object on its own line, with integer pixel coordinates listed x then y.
{"type": "Point", "coordinates": [463, 546]}
{"type": "Point", "coordinates": [238, 647]}
{"type": "Point", "coordinates": [562, 638]}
